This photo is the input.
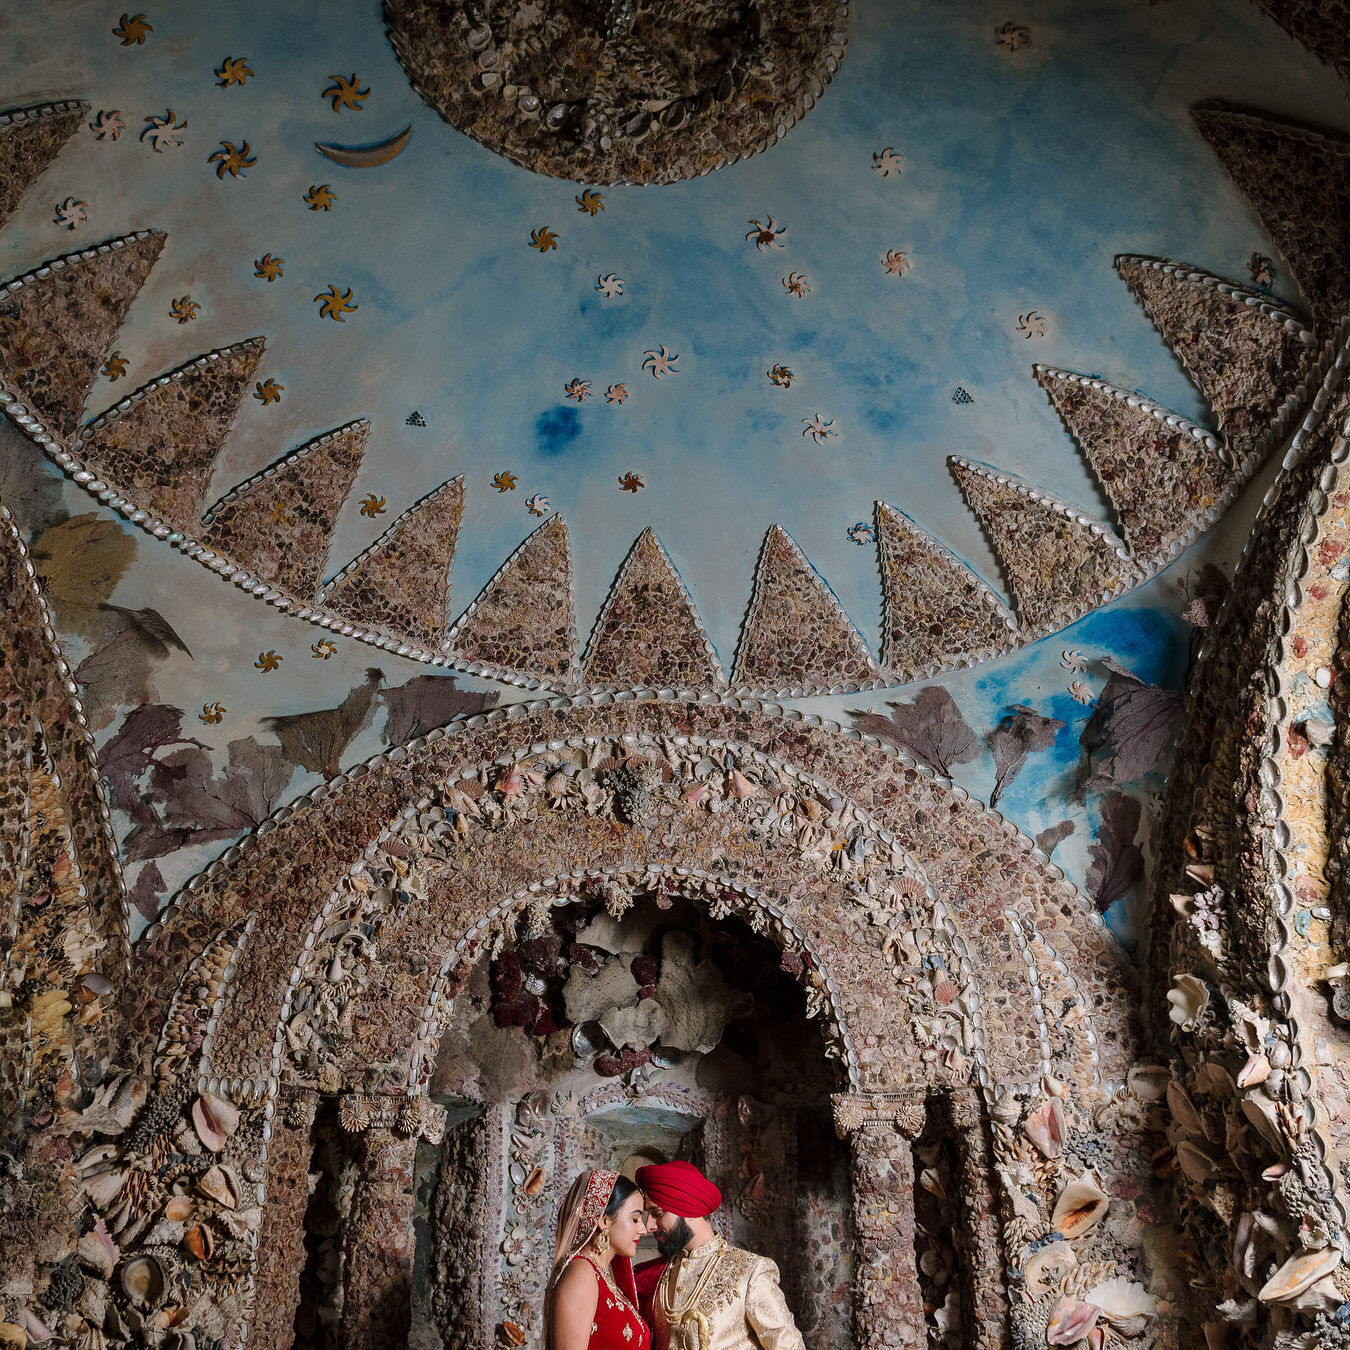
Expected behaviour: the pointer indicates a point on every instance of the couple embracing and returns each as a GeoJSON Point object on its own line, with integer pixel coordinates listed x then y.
{"type": "Point", "coordinates": [700, 1294]}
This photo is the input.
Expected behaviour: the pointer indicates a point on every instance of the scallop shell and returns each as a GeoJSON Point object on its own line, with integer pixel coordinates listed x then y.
{"type": "Point", "coordinates": [1121, 1300]}
{"type": "Point", "coordinates": [215, 1120]}
{"type": "Point", "coordinates": [1070, 1321]}
{"type": "Point", "coordinates": [1300, 1272]}
{"type": "Point", "coordinates": [143, 1279]}
{"type": "Point", "coordinates": [1078, 1210]}
{"type": "Point", "coordinates": [221, 1184]}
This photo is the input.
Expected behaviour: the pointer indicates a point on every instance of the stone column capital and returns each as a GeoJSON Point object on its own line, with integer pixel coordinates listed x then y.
{"type": "Point", "coordinates": [902, 1111]}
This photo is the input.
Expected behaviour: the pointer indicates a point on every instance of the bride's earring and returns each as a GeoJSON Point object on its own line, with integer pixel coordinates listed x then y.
{"type": "Point", "coordinates": [602, 1241]}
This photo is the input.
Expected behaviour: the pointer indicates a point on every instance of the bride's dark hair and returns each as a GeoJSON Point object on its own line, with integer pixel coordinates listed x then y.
{"type": "Point", "coordinates": [618, 1197]}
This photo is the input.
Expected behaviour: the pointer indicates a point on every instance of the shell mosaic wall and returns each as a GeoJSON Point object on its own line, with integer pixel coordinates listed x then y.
{"type": "Point", "coordinates": [671, 466]}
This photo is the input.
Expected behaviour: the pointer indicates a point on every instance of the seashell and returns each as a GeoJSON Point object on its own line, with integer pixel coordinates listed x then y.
{"type": "Point", "coordinates": [1037, 1267]}
{"type": "Point", "coordinates": [354, 1113]}
{"type": "Point", "coordinates": [1048, 1128]}
{"type": "Point", "coordinates": [104, 1187]}
{"type": "Point", "coordinates": [38, 1331]}
{"type": "Point", "coordinates": [1053, 1087]}
{"type": "Point", "coordinates": [931, 1180]}
{"type": "Point", "coordinates": [1255, 1070]}
{"type": "Point", "coordinates": [1096, 1338]}
{"type": "Point", "coordinates": [534, 1183]}
{"type": "Point", "coordinates": [1197, 1163]}
{"type": "Point", "coordinates": [1148, 1082]}
{"type": "Point", "coordinates": [1079, 1208]}
{"type": "Point", "coordinates": [694, 793]}
{"type": "Point", "coordinates": [1274, 1172]}
{"type": "Point", "coordinates": [740, 785]}
{"type": "Point", "coordinates": [11, 1333]}
{"type": "Point", "coordinates": [143, 1279]}
{"type": "Point", "coordinates": [214, 1120]}
{"type": "Point", "coordinates": [1299, 1273]}
{"type": "Point", "coordinates": [221, 1184]}
{"type": "Point", "coordinates": [1189, 1000]}
{"type": "Point", "coordinates": [1220, 1082]}
{"type": "Point", "coordinates": [1070, 1321]}
{"type": "Point", "coordinates": [510, 1334]}
{"type": "Point", "coordinates": [1183, 1109]}
{"type": "Point", "coordinates": [1260, 1112]}
{"type": "Point", "coordinates": [179, 1208]}
{"type": "Point", "coordinates": [97, 1252]}
{"type": "Point", "coordinates": [241, 1222]}
{"type": "Point", "coordinates": [512, 782]}
{"type": "Point", "coordinates": [1122, 1301]}
{"type": "Point", "coordinates": [200, 1241]}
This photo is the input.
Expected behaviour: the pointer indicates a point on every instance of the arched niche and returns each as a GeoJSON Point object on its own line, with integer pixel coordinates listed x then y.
{"type": "Point", "coordinates": [948, 959]}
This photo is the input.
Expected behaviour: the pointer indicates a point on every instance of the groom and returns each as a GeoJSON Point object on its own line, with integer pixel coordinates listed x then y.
{"type": "Point", "coordinates": [702, 1293]}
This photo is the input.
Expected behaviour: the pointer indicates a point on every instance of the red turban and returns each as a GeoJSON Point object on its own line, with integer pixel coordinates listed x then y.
{"type": "Point", "coordinates": [679, 1188]}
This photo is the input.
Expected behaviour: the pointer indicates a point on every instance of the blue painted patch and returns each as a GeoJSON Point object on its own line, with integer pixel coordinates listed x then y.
{"type": "Point", "coordinates": [1151, 643]}
{"type": "Point", "coordinates": [556, 429]}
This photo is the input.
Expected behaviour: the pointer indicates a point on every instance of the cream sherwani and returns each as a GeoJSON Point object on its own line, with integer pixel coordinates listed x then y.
{"type": "Point", "coordinates": [718, 1297]}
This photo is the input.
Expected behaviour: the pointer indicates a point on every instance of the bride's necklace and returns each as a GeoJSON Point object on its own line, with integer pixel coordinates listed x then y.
{"type": "Point", "coordinates": [666, 1287]}
{"type": "Point", "coordinates": [612, 1287]}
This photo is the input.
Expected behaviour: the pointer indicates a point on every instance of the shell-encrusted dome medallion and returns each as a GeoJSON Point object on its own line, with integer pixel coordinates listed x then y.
{"type": "Point", "coordinates": [627, 91]}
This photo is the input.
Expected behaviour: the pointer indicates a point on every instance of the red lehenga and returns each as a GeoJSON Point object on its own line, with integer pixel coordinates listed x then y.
{"type": "Point", "coordinates": [618, 1324]}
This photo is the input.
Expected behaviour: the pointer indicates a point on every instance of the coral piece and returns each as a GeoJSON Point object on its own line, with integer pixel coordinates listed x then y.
{"type": "Point", "coordinates": [797, 638]}
{"type": "Point", "coordinates": [1298, 179]}
{"type": "Point", "coordinates": [1244, 354]}
{"type": "Point", "coordinates": [522, 622]}
{"type": "Point", "coordinates": [648, 633]}
{"type": "Point", "coordinates": [664, 96]}
{"type": "Point", "coordinates": [158, 447]}
{"type": "Point", "coordinates": [30, 138]}
{"type": "Point", "coordinates": [1166, 477]}
{"type": "Point", "coordinates": [1060, 562]}
{"type": "Point", "coordinates": [279, 523]}
{"type": "Point", "coordinates": [400, 585]}
{"type": "Point", "coordinates": [57, 324]}
{"type": "Point", "coordinates": [936, 612]}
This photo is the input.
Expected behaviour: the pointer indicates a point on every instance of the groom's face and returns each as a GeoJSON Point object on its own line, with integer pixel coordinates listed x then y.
{"type": "Point", "coordinates": [673, 1233]}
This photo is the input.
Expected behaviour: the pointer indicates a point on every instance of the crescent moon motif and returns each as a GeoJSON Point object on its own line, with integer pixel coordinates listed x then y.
{"type": "Point", "coordinates": [366, 156]}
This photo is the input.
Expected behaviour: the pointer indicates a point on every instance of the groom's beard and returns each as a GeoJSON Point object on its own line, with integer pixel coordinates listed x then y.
{"type": "Point", "coordinates": [672, 1243]}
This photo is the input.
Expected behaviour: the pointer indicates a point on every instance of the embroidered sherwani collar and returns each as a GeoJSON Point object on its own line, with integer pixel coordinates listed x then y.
{"type": "Point", "coordinates": [693, 1256]}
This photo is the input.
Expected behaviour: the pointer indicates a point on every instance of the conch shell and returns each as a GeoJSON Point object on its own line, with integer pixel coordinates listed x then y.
{"type": "Point", "coordinates": [1070, 1321]}
{"type": "Point", "coordinates": [1048, 1128]}
{"type": "Point", "coordinates": [1079, 1209]}
{"type": "Point", "coordinates": [214, 1120]}
{"type": "Point", "coordinates": [1300, 1272]}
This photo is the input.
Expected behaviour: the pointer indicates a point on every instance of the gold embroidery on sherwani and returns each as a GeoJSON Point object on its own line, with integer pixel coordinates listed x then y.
{"type": "Point", "coordinates": [718, 1297]}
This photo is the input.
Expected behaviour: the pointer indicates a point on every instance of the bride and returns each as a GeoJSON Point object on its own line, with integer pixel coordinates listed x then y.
{"type": "Point", "coordinates": [591, 1301]}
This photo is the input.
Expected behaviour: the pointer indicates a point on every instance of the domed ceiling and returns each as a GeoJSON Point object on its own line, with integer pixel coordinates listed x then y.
{"type": "Point", "coordinates": [797, 425]}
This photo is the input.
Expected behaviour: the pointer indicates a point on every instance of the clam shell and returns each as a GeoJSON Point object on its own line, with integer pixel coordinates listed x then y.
{"type": "Point", "coordinates": [143, 1279]}
{"type": "Point", "coordinates": [1188, 999]}
{"type": "Point", "coordinates": [1080, 1207]}
{"type": "Point", "coordinates": [1070, 1321]}
{"type": "Point", "coordinates": [1260, 1112]}
{"type": "Point", "coordinates": [1197, 1163]}
{"type": "Point", "coordinates": [1300, 1272]}
{"type": "Point", "coordinates": [221, 1184]}
{"type": "Point", "coordinates": [215, 1120]}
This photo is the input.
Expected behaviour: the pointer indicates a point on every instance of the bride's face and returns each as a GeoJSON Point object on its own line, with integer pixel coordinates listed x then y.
{"type": "Point", "coordinates": [628, 1226]}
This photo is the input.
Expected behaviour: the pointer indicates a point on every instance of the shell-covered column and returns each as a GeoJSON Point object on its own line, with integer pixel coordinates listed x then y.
{"type": "Point", "coordinates": [281, 1233]}
{"type": "Point", "coordinates": [888, 1306]}
{"type": "Point", "coordinates": [380, 1246]}
{"type": "Point", "coordinates": [978, 1237]}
